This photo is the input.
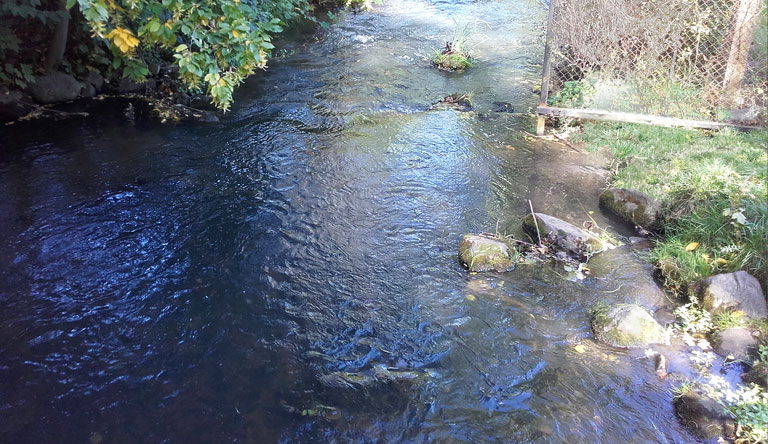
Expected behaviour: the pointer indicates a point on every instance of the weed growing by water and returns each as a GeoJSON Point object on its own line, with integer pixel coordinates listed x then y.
{"type": "Point", "coordinates": [713, 188]}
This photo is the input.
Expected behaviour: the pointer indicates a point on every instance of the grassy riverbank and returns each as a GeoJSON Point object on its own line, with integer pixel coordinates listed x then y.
{"type": "Point", "coordinates": [713, 189]}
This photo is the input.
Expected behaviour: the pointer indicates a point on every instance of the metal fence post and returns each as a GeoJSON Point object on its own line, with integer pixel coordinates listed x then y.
{"type": "Point", "coordinates": [546, 70]}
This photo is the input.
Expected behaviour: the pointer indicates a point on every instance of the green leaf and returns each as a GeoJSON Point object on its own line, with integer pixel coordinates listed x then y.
{"type": "Point", "coordinates": [71, 3]}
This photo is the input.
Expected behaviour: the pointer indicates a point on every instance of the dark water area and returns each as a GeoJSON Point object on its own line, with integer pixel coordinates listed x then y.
{"type": "Point", "coordinates": [204, 283]}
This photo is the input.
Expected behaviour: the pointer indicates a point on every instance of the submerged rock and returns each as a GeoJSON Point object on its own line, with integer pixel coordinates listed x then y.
{"type": "Point", "coordinates": [735, 341]}
{"type": "Point", "coordinates": [481, 253]}
{"type": "Point", "coordinates": [758, 374]}
{"type": "Point", "coordinates": [14, 104]}
{"type": "Point", "coordinates": [379, 375]}
{"type": "Point", "coordinates": [55, 87]}
{"type": "Point", "coordinates": [565, 235]}
{"type": "Point", "coordinates": [627, 325]}
{"type": "Point", "coordinates": [632, 206]}
{"type": "Point", "coordinates": [703, 416]}
{"type": "Point", "coordinates": [732, 291]}
{"type": "Point", "coordinates": [626, 278]}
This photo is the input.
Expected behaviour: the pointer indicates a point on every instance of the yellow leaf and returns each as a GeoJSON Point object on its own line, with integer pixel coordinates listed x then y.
{"type": "Point", "coordinates": [580, 348]}
{"type": "Point", "coordinates": [721, 261]}
{"type": "Point", "coordinates": [471, 298]}
{"type": "Point", "coordinates": [705, 257]}
{"type": "Point", "coordinates": [692, 246]}
{"type": "Point", "coordinates": [123, 39]}
{"type": "Point", "coordinates": [235, 34]}
{"type": "Point", "coordinates": [739, 314]}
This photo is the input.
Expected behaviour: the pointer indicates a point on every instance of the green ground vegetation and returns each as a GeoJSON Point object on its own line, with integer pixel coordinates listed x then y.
{"type": "Point", "coordinates": [713, 188]}
{"type": "Point", "coordinates": [455, 55]}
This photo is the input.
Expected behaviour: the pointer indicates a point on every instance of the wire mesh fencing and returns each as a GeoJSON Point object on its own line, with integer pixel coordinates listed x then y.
{"type": "Point", "coordinates": [691, 59]}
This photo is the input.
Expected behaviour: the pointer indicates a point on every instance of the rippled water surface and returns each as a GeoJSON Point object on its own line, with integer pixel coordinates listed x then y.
{"type": "Point", "coordinates": [207, 283]}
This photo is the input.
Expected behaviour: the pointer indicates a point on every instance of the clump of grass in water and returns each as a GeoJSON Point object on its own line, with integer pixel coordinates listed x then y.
{"type": "Point", "coordinates": [455, 55]}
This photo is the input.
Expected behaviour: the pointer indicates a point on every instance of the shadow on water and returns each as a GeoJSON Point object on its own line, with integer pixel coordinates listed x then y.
{"type": "Point", "coordinates": [290, 274]}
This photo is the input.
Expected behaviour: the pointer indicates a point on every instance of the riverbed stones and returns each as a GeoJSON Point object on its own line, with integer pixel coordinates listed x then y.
{"type": "Point", "coordinates": [702, 415]}
{"type": "Point", "coordinates": [55, 87]}
{"type": "Point", "coordinates": [732, 291]}
{"type": "Point", "coordinates": [623, 277]}
{"type": "Point", "coordinates": [735, 341]}
{"type": "Point", "coordinates": [481, 253]}
{"type": "Point", "coordinates": [626, 325]}
{"type": "Point", "coordinates": [567, 236]}
{"type": "Point", "coordinates": [758, 374]}
{"type": "Point", "coordinates": [632, 206]}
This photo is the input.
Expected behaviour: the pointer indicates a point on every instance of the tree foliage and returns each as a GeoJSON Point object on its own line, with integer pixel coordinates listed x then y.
{"type": "Point", "coordinates": [215, 44]}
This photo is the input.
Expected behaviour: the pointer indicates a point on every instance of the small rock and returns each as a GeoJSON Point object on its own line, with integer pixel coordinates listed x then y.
{"type": "Point", "coordinates": [758, 374]}
{"type": "Point", "coordinates": [569, 236]}
{"type": "Point", "coordinates": [627, 325]}
{"type": "Point", "coordinates": [703, 416]}
{"type": "Point", "coordinates": [503, 107]}
{"type": "Point", "coordinates": [632, 206]}
{"type": "Point", "coordinates": [732, 291]}
{"type": "Point", "coordinates": [480, 253]}
{"type": "Point", "coordinates": [735, 341]}
{"type": "Point", "coordinates": [88, 90]}
{"type": "Point", "coordinates": [95, 79]}
{"type": "Point", "coordinates": [14, 104]}
{"type": "Point", "coordinates": [628, 279]}
{"type": "Point", "coordinates": [55, 87]}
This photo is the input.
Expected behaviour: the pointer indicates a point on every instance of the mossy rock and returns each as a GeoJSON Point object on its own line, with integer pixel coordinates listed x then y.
{"type": "Point", "coordinates": [481, 253]}
{"type": "Point", "coordinates": [626, 325]}
{"type": "Point", "coordinates": [569, 237]}
{"type": "Point", "coordinates": [758, 374]}
{"type": "Point", "coordinates": [703, 416]}
{"type": "Point", "coordinates": [632, 206]}
{"type": "Point", "coordinates": [452, 61]}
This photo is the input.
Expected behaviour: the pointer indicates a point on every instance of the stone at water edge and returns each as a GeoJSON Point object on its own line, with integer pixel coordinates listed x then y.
{"type": "Point", "coordinates": [703, 416]}
{"type": "Point", "coordinates": [735, 341]}
{"type": "Point", "coordinates": [732, 291]}
{"type": "Point", "coordinates": [14, 104]}
{"type": "Point", "coordinates": [758, 374]}
{"type": "Point", "coordinates": [55, 87]}
{"type": "Point", "coordinates": [480, 253]}
{"type": "Point", "coordinates": [569, 236]}
{"type": "Point", "coordinates": [627, 325]}
{"type": "Point", "coordinates": [632, 206]}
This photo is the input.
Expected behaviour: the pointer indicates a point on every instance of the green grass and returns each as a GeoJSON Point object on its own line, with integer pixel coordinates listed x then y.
{"type": "Point", "coordinates": [713, 189]}
{"type": "Point", "coordinates": [455, 55]}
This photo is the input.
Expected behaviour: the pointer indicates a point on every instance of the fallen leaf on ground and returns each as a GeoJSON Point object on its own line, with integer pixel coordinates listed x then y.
{"type": "Point", "coordinates": [692, 246]}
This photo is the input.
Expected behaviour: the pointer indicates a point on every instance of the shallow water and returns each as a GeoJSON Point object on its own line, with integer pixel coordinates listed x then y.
{"type": "Point", "coordinates": [196, 283]}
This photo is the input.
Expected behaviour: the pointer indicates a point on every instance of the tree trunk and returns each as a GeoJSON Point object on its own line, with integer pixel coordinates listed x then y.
{"type": "Point", "coordinates": [742, 33]}
{"type": "Point", "coordinates": [59, 43]}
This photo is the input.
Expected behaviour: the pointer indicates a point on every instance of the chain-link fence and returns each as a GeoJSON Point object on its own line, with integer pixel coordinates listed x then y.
{"type": "Point", "coordinates": [691, 59]}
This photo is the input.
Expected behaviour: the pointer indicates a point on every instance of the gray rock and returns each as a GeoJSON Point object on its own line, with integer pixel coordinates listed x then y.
{"type": "Point", "coordinates": [480, 253]}
{"type": "Point", "coordinates": [55, 87]}
{"type": "Point", "coordinates": [187, 114]}
{"type": "Point", "coordinates": [758, 374]}
{"type": "Point", "coordinates": [568, 236]}
{"type": "Point", "coordinates": [632, 206]}
{"type": "Point", "coordinates": [735, 341]}
{"type": "Point", "coordinates": [627, 325]}
{"type": "Point", "coordinates": [703, 416]}
{"type": "Point", "coordinates": [95, 79]}
{"type": "Point", "coordinates": [129, 86]}
{"type": "Point", "coordinates": [88, 90]}
{"type": "Point", "coordinates": [732, 291]}
{"type": "Point", "coordinates": [14, 104]}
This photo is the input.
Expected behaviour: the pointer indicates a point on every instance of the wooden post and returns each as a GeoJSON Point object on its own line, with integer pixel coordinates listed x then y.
{"type": "Point", "coordinates": [742, 34]}
{"type": "Point", "coordinates": [546, 70]}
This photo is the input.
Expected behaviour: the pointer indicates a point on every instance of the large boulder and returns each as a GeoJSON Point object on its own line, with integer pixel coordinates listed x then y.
{"type": "Point", "coordinates": [732, 291]}
{"type": "Point", "coordinates": [735, 341]}
{"type": "Point", "coordinates": [758, 374]}
{"type": "Point", "coordinates": [55, 87]}
{"type": "Point", "coordinates": [14, 104]}
{"type": "Point", "coordinates": [565, 235]}
{"type": "Point", "coordinates": [481, 253]}
{"type": "Point", "coordinates": [703, 416]}
{"type": "Point", "coordinates": [627, 325]}
{"type": "Point", "coordinates": [632, 206]}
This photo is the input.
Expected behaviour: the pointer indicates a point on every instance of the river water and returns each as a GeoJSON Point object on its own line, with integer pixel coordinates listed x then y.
{"type": "Point", "coordinates": [202, 283]}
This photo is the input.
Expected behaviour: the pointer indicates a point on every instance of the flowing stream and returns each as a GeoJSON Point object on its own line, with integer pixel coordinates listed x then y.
{"type": "Point", "coordinates": [209, 283]}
